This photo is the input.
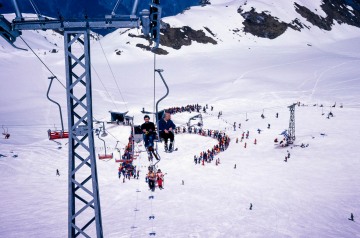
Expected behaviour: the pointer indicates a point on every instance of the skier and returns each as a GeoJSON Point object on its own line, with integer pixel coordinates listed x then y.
{"type": "Point", "coordinates": [160, 178]}
{"type": "Point", "coordinates": [151, 177]}
{"type": "Point", "coordinates": [277, 115]}
{"type": "Point", "coordinates": [57, 172]}
{"type": "Point", "coordinates": [268, 126]}
{"type": "Point", "coordinates": [235, 166]}
{"type": "Point", "coordinates": [137, 174]}
{"type": "Point", "coordinates": [288, 154]}
{"type": "Point", "coordinates": [286, 158]}
{"type": "Point", "coordinates": [166, 127]}
{"type": "Point", "coordinates": [351, 217]}
{"type": "Point", "coordinates": [148, 129]}
{"type": "Point", "coordinates": [250, 208]}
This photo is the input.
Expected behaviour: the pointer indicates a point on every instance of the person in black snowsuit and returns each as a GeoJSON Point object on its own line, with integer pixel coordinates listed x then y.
{"type": "Point", "coordinates": [148, 129]}
{"type": "Point", "coordinates": [166, 127]}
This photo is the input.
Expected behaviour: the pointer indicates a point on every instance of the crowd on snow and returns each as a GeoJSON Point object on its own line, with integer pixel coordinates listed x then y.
{"type": "Point", "coordinates": [188, 108]}
{"type": "Point", "coordinates": [207, 156]}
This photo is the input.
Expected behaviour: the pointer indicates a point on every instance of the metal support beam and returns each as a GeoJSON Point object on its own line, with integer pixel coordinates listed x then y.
{"type": "Point", "coordinates": [292, 137]}
{"type": "Point", "coordinates": [135, 7]}
{"type": "Point", "coordinates": [17, 10]}
{"type": "Point", "coordinates": [84, 220]}
{"type": "Point", "coordinates": [47, 24]}
{"type": "Point", "coordinates": [155, 22]}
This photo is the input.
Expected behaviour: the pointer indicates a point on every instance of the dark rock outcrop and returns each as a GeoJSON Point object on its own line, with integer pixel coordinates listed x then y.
{"type": "Point", "coordinates": [336, 10]}
{"type": "Point", "coordinates": [316, 20]}
{"type": "Point", "coordinates": [177, 37]}
{"type": "Point", "coordinates": [267, 26]}
{"type": "Point", "coordinates": [263, 24]}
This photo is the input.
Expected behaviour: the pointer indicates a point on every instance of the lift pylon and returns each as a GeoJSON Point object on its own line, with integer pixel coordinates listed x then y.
{"type": "Point", "coordinates": [84, 212]}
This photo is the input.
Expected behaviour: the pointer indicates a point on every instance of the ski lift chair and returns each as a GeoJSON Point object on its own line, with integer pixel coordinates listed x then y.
{"type": "Point", "coordinates": [56, 134]}
{"type": "Point", "coordinates": [104, 156]}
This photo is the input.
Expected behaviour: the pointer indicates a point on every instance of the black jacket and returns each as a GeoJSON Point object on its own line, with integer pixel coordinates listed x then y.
{"type": "Point", "coordinates": [148, 126]}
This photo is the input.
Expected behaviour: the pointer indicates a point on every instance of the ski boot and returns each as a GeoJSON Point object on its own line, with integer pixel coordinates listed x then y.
{"type": "Point", "coordinates": [171, 147]}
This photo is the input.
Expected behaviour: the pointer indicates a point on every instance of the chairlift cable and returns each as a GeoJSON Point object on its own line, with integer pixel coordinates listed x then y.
{"type": "Point", "coordinates": [137, 198]}
{"type": "Point", "coordinates": [113, 75]}
{"type": "Point", "coordinates": [41, 61]}
{"type": "Point", "coordinates": [36, 9]}
{"type": "Point", "coordinates": [102, 83]}
{"type": "Point", "coordinates": [116, 7]}
{"type": "Point", "coordinates": [115, 137]}
{"type": "Point", "coordinates": [155, 116]}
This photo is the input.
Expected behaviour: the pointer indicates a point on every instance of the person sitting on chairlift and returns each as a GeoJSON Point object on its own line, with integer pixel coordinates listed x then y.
{"type": "Point", "coordinates": [148, 129]}
{"type": "Point", "coordinates": [166, 127]}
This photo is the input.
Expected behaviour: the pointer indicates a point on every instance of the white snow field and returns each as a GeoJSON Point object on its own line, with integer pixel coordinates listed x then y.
{"type": "Point", "coordinates": [311, 195]}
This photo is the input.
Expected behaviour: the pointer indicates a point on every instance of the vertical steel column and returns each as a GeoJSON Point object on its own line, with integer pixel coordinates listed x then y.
{"type": "Point", "coordinates": [17, 10]}
{"type": "Point", "coordinates": [84, 217]}
{"type": "Point", "coordinates": [292, 124]}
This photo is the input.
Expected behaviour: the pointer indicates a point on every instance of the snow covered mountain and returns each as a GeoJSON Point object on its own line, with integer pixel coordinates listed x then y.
{"type": "Point", "coordinates": [226, 55]}
{"type": "Point", "coordinates": [229, 22]}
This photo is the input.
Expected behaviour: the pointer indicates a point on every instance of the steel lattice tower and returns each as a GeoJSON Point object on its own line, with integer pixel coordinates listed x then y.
{"type": "Point", "coordinates": [84, 200]}
{"type": "Point", "coordinates": [84, 215]}
{"type": "Point", "coordinates": [292, 124]}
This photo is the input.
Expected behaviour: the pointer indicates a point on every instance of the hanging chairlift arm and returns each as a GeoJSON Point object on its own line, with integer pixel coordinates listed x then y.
{"type": "Point", "coordinates": [167, 93]}
{"type": "Point", "coordinates": [47, 95]}
{"type": "Point", "coordinates": [103, 142]}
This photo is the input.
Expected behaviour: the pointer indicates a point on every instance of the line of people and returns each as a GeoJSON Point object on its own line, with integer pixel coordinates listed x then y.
{"type": "Point", "coordinates": [208, 155]}
{"type": "Point", "coordinates": [188, 108]}
{"type": "Point", "coordinates": [126, 167]}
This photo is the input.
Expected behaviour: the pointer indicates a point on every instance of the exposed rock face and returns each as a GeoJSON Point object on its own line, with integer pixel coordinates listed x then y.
{"type": "Point", "coordinates": [177, 37]}
{"type": "Point", "coordinates": [336, 10]}
{"type": "Point", "coordinates": [316, 20]}
{"type": "Point", "coordinates": [262, 24]}
{"type": "Point", "coordinates": [267, 26]}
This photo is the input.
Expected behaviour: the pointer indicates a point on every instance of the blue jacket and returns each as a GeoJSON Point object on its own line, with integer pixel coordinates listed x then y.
{"type": "Point", "coordinates": [163, 125]}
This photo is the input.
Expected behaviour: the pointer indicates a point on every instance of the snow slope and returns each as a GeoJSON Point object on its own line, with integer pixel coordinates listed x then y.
{"type": "Point", "coordinates": [311, 195]}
